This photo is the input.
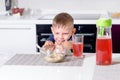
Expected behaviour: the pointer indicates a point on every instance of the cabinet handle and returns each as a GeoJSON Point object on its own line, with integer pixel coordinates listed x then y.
{"type": "Point", "coordinates": [84, 34]}
{"type": "Point", "coordinates": [46, 34]}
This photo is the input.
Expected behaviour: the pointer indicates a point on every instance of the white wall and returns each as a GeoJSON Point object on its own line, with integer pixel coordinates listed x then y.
{"type": "Point", "coordinates": [72, 5]}
{"type": "Point", "coordinates": [2, 4]}
{"type": "Point", "coordinates": [68, 5]}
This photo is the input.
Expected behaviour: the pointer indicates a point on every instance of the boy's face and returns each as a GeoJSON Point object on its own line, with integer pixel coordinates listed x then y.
{"type": "Point", "coordinates": [62, 34]}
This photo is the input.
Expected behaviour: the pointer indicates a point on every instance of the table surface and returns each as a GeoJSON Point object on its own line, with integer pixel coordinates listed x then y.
{"type": "Point", "coordinates": [38, 60]}
{"type": "Point", "coordinates": [62, 71]}
{"type": "Point", "coordinates": [109, 72]}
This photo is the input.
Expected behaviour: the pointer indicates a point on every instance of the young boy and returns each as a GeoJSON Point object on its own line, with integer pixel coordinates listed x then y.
{"type": "Point", "coordinates": [62, 30]}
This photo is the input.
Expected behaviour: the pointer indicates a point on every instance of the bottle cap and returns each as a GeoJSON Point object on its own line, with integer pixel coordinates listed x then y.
{"type": "Point", "coordinates": [104, 22]}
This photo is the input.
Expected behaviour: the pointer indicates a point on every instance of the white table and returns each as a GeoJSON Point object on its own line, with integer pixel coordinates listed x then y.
{"type": "Point", "coordinates": [5, 57]}
{"type": "Point", "coordinates": [109, 72]}
{"type": "Point", "coordinates": [89, 71]}
{"type": "Point", "coordinates": [31, 72]}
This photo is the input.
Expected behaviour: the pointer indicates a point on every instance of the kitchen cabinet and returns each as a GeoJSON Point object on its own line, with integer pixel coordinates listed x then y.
{"type": "Point", "coordinates": [17, 38]}
{"type": "Point", "coordinates": [116, 38]}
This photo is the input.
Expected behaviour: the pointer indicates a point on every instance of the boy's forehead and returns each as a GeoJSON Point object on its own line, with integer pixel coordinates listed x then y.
{"type": "Point", "coordinates": [62, 27]}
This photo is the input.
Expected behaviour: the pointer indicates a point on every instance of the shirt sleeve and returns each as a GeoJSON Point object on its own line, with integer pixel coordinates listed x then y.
{"type": "Point", "coordinates": [51, 38]}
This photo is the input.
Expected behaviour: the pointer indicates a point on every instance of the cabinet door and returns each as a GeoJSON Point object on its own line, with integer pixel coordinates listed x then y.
{"type": "Point", "coordinates": [17, 38]}
{"type": "Point", "coordinates": [116, 38]}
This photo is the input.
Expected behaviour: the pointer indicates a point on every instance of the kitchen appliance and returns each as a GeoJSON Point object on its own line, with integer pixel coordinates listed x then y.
{"type": "Point", "coordinates": [43, 31]}
{"type": "Point", "coordinates": [8, 5]}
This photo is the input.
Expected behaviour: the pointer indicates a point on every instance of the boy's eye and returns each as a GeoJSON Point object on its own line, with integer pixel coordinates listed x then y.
{"type": "Point", "coordinates": [62, 33]}
{"type": "Point", "coordinates": [56, 33]}
{"type": "Point", "coordinates": [65, 33]}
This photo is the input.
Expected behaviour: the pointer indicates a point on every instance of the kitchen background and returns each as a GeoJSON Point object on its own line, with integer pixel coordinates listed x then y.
{"type": "Point", "coordinates": [96, 7]}
{"type": "Point", "coordinates": [67, 5]}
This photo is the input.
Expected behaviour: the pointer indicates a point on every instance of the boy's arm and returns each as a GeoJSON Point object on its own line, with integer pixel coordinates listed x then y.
{"type": "Point", "coordinates": [49, 43]}
{"type": "Point", "coordinates": [51, 38]}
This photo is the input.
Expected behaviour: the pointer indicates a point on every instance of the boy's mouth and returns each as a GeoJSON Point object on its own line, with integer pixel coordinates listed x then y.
{"type": "Point", "coordinates": [60, 41]}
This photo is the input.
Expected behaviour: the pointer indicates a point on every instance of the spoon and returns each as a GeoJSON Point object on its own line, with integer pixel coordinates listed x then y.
{"type": "Point", "coordinates": [42, 50]}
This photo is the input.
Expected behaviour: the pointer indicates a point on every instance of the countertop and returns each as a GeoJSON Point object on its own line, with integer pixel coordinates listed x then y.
{"type": "Point", "coordinates": [87, 71]}
{"type": "Point", "coordinates": [34, 21]}
{"type": "Point", "coordinates": [45, 17]}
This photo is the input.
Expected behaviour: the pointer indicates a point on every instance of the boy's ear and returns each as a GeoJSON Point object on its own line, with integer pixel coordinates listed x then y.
{"type": "Point", "coordinates": [52, 30]}
{"type": "Point", "coordinates": [74, 30]}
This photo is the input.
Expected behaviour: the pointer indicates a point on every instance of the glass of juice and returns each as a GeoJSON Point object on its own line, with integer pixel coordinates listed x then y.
{"type": "Point", "coordinates": [77, 46]}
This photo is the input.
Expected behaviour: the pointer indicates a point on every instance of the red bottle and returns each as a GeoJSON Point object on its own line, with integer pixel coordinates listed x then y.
{"type": "Point", "coordinates": [104, 42]}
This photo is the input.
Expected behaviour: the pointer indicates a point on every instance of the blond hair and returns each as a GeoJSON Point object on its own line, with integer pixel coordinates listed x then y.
{"type": "Point", "coordinates": [63, 20]}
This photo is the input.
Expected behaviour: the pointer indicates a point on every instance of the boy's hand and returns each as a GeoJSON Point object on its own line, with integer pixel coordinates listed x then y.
{"type": "Point", "coordinates": [49, 45]}
{"type": "Point", "coordinates": [67, 44]}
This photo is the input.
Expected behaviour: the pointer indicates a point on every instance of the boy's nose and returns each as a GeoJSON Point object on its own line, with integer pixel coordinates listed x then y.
{"type": "Point", "coordinates": [61, 36]}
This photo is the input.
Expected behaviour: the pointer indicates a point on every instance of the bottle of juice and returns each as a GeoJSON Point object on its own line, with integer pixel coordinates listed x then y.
{"type": "Point", "coordinates": [104, 42]}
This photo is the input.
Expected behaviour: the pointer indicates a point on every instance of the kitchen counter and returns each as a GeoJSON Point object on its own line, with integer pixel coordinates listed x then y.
{"type": "Point", "coordinates": [33, 21]}
{"type": "Point", "coordinates": [45, 17]}
{"type": "Point", "coordinates": [87, 71]}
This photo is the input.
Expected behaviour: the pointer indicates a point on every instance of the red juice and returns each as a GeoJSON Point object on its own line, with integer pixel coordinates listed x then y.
{"type": "Point", "coordinates": [103, 51]}
{"type": "Point", "coordinates": [77, 49]}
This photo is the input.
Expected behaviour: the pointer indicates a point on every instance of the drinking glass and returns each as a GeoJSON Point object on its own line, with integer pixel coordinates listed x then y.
{"type": "Point", "coordinates": [77, 45]}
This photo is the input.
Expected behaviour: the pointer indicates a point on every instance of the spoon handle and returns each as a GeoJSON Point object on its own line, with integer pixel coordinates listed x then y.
{"type": "Point", "coordinates": [41, 49]}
